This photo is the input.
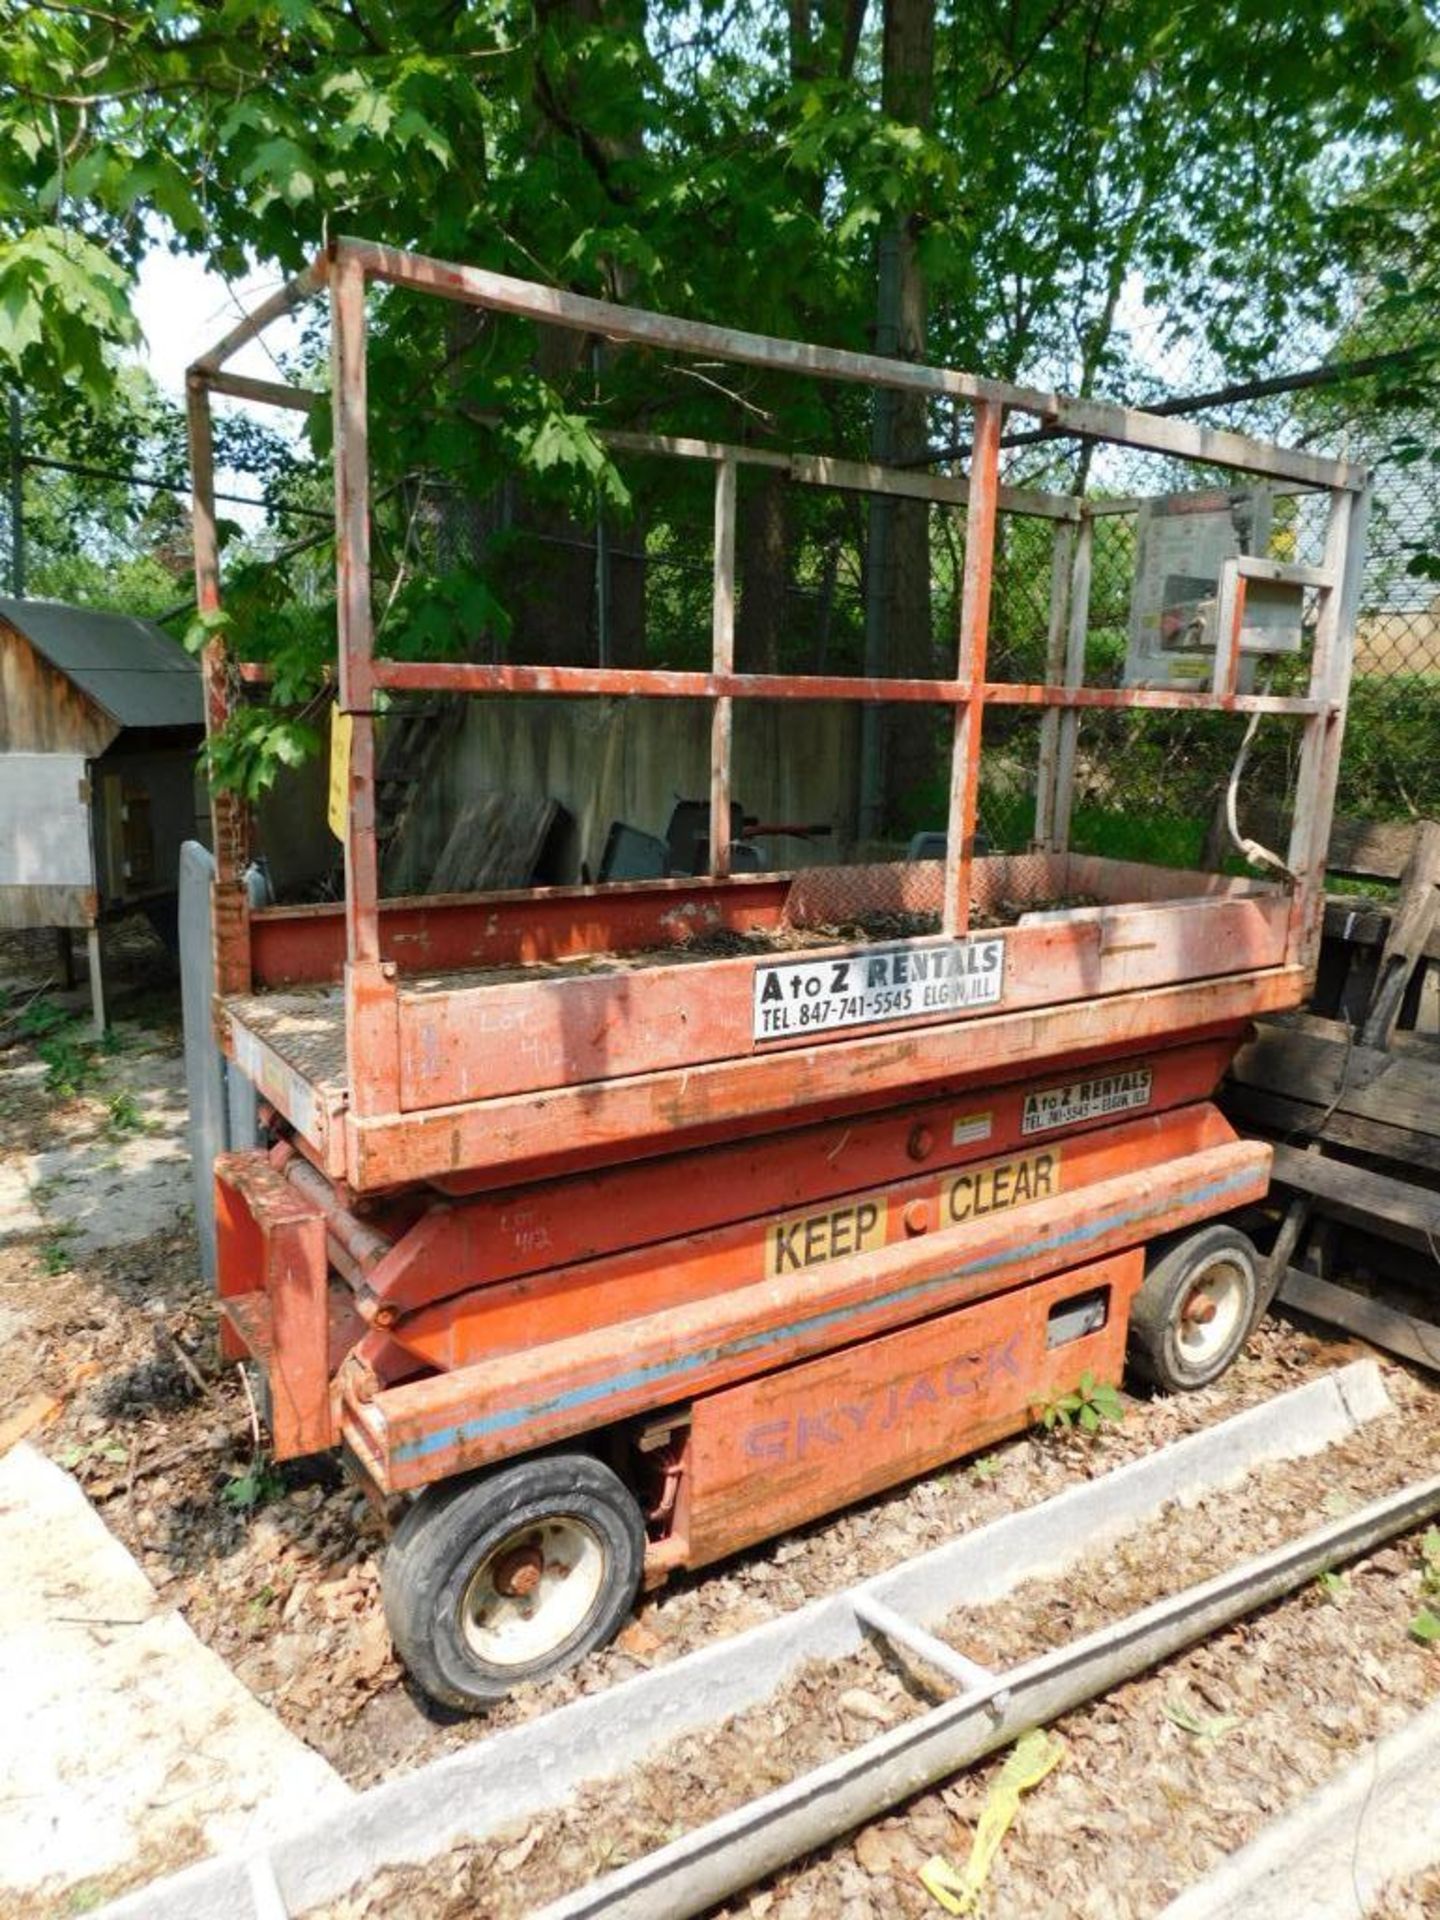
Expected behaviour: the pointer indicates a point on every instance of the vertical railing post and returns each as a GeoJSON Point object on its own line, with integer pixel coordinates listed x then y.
{"type": "Point", "coordinates": [17, 498]}
{"type": "Point", "coordinates": [356, 692]}
{"type": "Point", "coordinates": [1062, 555]}
{"type": "Point", "coordinates": [371, 1011]}
{"type": "Point", "coordinates": [1319, 769]}
{"type": "Point", "coordinates": [229, 813]}
{"type": "Point", "coordinates": [722, 652]}
{"type": "Point", "coordinates": [970, 665]}
{"type": "Point", "coordinates": [1229, 626]}
{"type": "Point", "coordinates": [1077, 632]}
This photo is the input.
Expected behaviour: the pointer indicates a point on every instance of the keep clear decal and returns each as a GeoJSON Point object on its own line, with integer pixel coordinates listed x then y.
{"type": "Point", "coordinates": [879, 983]}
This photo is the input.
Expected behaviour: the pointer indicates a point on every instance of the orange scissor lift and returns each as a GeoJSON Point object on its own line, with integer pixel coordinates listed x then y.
{"type": "Point", "coordinates": [618, 1257]}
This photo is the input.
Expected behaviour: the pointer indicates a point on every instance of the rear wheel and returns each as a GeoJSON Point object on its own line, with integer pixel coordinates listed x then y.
{"type": "Point", "coordinates": [1194, 1312]}
{"type": "Point", "coordinates": [511, 1577]}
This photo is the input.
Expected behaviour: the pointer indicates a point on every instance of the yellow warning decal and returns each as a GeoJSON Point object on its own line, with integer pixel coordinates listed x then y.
{"type": "Point", "coordinates": [1000, 1184]}
{"type": "Point", "coordinates": [809, 1239]}
{"type": "Point", "coordinates": [337, 805]}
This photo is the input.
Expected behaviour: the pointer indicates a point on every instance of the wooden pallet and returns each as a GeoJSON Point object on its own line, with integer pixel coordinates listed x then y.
{"type": "Point", "coordinates": [1349, 1094]}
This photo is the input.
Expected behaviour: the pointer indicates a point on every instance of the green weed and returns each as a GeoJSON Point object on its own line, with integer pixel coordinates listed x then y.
{"type": "Point", "coordinates": [256, 1487]}
{"type": "Point", "coordinates": [69, 1065]}
{"type": "Point", "coordinates": [55, 1254]}
{"type": "Point", "coordinates": [1092, 1403]}
{"type": "Point", "coordinates": [123, 1114]}
{"type": "Point", "coordinates": [1425, 1626]}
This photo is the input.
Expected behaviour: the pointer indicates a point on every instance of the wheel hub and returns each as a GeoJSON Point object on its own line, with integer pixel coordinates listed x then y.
{"type": "Point", "coordinates": [519, 1571]}
{"type": "Point", "coordinates": [1212, 1312]}
{"type": "Point", "coordinates": [532, 1591]}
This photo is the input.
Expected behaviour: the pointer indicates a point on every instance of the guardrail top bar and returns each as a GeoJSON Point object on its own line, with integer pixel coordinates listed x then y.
{"type": "Point", "coordinates": [502, 293]}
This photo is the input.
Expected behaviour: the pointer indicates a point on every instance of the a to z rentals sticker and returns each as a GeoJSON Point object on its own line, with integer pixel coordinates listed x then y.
{"type": "Point", "coordinates": [1087, 1100]}
{"type": "Point", "coordinates": [878, 983]}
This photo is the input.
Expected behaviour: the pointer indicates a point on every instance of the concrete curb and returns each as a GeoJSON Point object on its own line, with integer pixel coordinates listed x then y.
{"type": "Point", "coordinates": [1332, 1855]}
{"type": "Point", "coordinates": [520, 1773]}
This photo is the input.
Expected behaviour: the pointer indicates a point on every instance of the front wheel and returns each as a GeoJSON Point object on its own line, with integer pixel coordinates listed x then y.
{"type": "Point", "coordinates": [1195, 1309]}
{"type": "Point", "coordinates": [511, 1577]}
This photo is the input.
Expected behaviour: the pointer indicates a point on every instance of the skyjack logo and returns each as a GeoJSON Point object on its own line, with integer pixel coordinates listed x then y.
{"type": "Point", "coordinates": [802, 1436]}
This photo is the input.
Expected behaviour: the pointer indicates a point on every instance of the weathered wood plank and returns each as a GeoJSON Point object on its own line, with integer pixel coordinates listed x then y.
{"type": "Point", "coordinates": [1281, 1117]}
{"type": "Point", "coordinates": [1302, 1064]}
{"type": "Point", "coordinates": [1385, 1326]}
{"type": "Point", "coordinates": [495, 842]}
{"type": "Point", "coordinates": [1394, 1209]}
{"type": "Point", "coordinates": [1411, 926]}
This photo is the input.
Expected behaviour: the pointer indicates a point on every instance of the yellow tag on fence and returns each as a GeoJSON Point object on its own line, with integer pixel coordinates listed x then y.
{"type": "Point", "coordinates": [341, 728]}
{"type": "Point", "coordinates": [1034, 1755]}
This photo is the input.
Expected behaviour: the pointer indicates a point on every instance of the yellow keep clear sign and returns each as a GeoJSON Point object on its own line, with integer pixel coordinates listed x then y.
{"type": "Point", "coordinates": [342, 726]}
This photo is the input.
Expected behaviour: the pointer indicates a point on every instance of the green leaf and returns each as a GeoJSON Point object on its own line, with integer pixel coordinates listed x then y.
{"type": "Point", "coordinates": [1425, 1627]}
{"type": "Point", "coordinates": [204, 627]}
{"type": "Point", "coordinates": [283, 168]}
{"type": "Point", "coordinates": [1202, 1726]}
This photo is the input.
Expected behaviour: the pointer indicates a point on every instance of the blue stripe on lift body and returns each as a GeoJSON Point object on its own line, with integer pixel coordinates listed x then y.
{"type": "Point", "coordinates": [506, 1419]}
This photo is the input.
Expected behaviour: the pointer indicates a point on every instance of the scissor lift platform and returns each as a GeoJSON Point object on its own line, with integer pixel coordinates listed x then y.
{"type": "Point", "coordinates": [540, 1059]}
{"type": "Point", "coordinates": [616, 1227]}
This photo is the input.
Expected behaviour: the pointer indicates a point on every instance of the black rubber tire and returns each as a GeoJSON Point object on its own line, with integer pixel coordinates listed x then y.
{"type": "Point", "coordinates": [1155, 1353]}
{"type": "Point", "coordinates": [450, 1531]}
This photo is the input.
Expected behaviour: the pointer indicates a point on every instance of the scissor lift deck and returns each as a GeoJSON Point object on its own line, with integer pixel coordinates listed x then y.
{"type": "Point", "coordinates": [664, 1215]}
{"type": "Point", "coordinates": [574, 1019]}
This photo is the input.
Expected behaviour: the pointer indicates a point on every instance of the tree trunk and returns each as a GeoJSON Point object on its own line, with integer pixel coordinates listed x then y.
{"type": "Point", "coordinates": [763, 566]}
{"type": "Point", "coordinates": [899, 756]}
{"type": "Point", "coordinates": [573, 601]}
{"type": "Point", "coordinates": [824, 36]}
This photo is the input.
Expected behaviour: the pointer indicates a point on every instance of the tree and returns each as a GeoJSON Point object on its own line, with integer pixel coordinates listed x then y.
{"type": "Point", "coordinates": [1023, 165]}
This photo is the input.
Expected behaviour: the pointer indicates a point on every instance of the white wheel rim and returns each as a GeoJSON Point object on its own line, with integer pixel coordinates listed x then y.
{"type": "Point", "coordinates": [1211, 1313]}
{"type": "Point", "coordinates": [532, 1591]}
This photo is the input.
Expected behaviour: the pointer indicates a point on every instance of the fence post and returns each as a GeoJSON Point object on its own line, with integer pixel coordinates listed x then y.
{"type": "Point", "coordinates": [17, 500]}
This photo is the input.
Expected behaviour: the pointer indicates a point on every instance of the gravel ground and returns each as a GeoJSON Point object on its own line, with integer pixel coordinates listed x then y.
{"type": "Point", "coordinates": [1415, 1900]}
{"type": "Point", "coordinates": [280, 1572]}
{"type": "Point", "coordinates": [1223, 1734]}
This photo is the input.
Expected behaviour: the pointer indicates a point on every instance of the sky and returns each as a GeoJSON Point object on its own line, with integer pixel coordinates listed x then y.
{"type": "Point", "coordinates": [183, 308]}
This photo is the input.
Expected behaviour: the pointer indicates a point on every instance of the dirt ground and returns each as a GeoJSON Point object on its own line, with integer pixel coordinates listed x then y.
{"type": "Point", "coordinates": [1231, 1733]}
{"type": "Point", "coordinates": [103, 1311]}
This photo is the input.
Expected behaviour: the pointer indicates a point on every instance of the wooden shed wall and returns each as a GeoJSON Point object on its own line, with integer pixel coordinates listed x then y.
{"type": "Point", "coordinates": [40, 711]}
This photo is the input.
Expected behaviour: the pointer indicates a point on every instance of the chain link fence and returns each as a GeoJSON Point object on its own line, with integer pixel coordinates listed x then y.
{"type": "Point", "coordinates": [1153, 785]}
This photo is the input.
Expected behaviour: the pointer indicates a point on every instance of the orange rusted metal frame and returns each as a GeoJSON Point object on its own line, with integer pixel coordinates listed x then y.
{"type": "Point", "coordinates": [770, 1453]}
{"type": "Point", "coordinates": [532, 1135]}
{"type": "Point", "coordinates": [490, 1317]}
{"type": "Point", "coordinates": [408, 1435]}
{"type": "Point", "coordinates": [658, 683]}
{"type": "Point", "coordinates": [555, 1226]}
{"type": "Point", "coordinates": [679, 1017]}
{"type": "Point", "coordinates": [970, 667]}
{"type": "Point", "coordinates": [273, 1283]}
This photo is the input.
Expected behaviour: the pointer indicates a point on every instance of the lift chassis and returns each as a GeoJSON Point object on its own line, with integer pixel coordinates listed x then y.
{"type": "Point", "coordinates": [611, 1251]}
